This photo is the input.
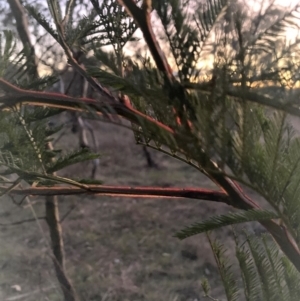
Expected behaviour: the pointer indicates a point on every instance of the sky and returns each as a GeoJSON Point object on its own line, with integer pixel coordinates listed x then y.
{"type": "Point", "coordinates": [252, 4]}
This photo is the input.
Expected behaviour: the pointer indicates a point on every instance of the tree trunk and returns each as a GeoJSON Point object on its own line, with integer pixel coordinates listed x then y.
{"type": "Point", "coordinates": [52, 218]}
{"type": "Point", "coordinates": [52, 211]}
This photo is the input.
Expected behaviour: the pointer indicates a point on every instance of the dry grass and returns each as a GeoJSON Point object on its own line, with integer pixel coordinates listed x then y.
{"type": "Point", "coordinates": [116, 248]}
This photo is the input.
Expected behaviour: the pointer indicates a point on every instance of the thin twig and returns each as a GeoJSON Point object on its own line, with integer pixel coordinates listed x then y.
{"type": "Point", "coordinates": [67, 213]}
{"type": "Point", "coordinates": [23, 221]}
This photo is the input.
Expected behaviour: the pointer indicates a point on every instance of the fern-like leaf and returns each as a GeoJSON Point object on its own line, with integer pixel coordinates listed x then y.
{"type": "Point", "coordinates": [225, 270]}
{"type": "Point", "coordinates": [219, 221]}
{"type": "Point", "coordinates": [72, 158]}
{"type": "Point", "coordinates": [41, 19]}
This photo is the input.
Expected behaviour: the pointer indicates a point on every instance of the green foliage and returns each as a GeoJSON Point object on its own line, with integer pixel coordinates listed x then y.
{"type": "Point", "coordinates": [234, 137]}
{"type": "Point", "coordinates": [6, 50]}
{"type": "Point", "coordinates": [230, 284]}
{"type": "Point", "coordinates": [24, 134]}
{"type": "Point", "coordinates": [71, 158]}
{"type": "Point", "coordinates": [187, 31]}
{"type": "Point", "coordinates": [42, 21]}
{"type": "Point", "coordinates": [216, 222]}
{"type": "Point", "coordinates": [118, 28]}
{"type": "Point", "coordinates": [24, 149]}
{"type": "Point", "coordinates": [264, 274]}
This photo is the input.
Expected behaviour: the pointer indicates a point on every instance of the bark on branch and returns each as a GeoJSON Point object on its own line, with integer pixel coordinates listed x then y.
{"type": "Point", "coordinates": [17, 96]}
{"type": "Point", "coordinates": [127, 191]}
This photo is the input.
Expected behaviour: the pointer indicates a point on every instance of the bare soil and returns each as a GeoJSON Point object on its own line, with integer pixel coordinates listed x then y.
{"type": "Point", "coordinates": [116, 248]}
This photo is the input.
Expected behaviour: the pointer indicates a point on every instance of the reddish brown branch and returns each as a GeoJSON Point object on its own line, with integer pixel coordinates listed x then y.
{"type": "Point", "coordinates": [127, 191]}
{"type": "Point", "coordinates": [21, 96]}
{"type": "Point", "coordinates": [236, 199]}
{"type": "Point", "coordinates": [142, 18]}
{"type": "Point", "coordinates": [279, 232]}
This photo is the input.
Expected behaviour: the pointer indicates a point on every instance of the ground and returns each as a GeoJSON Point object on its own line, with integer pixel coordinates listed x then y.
{"type": "Point", "coordinates": [116, 248]}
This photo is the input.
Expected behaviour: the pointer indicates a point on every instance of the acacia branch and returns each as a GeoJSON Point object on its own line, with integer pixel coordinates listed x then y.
{"type": "Point", "coordinates": [142, 18]}
{"type": "Point", "coordinates": [17, 96]}
{"type": "Point", "coordinates": [280, 233]}
{"type": "Point", "coordinates": [127, 191]}
{"type": "Point", "coordinates": [236, 198]}
{"type": "Point", "coordinates": [288, 107]}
